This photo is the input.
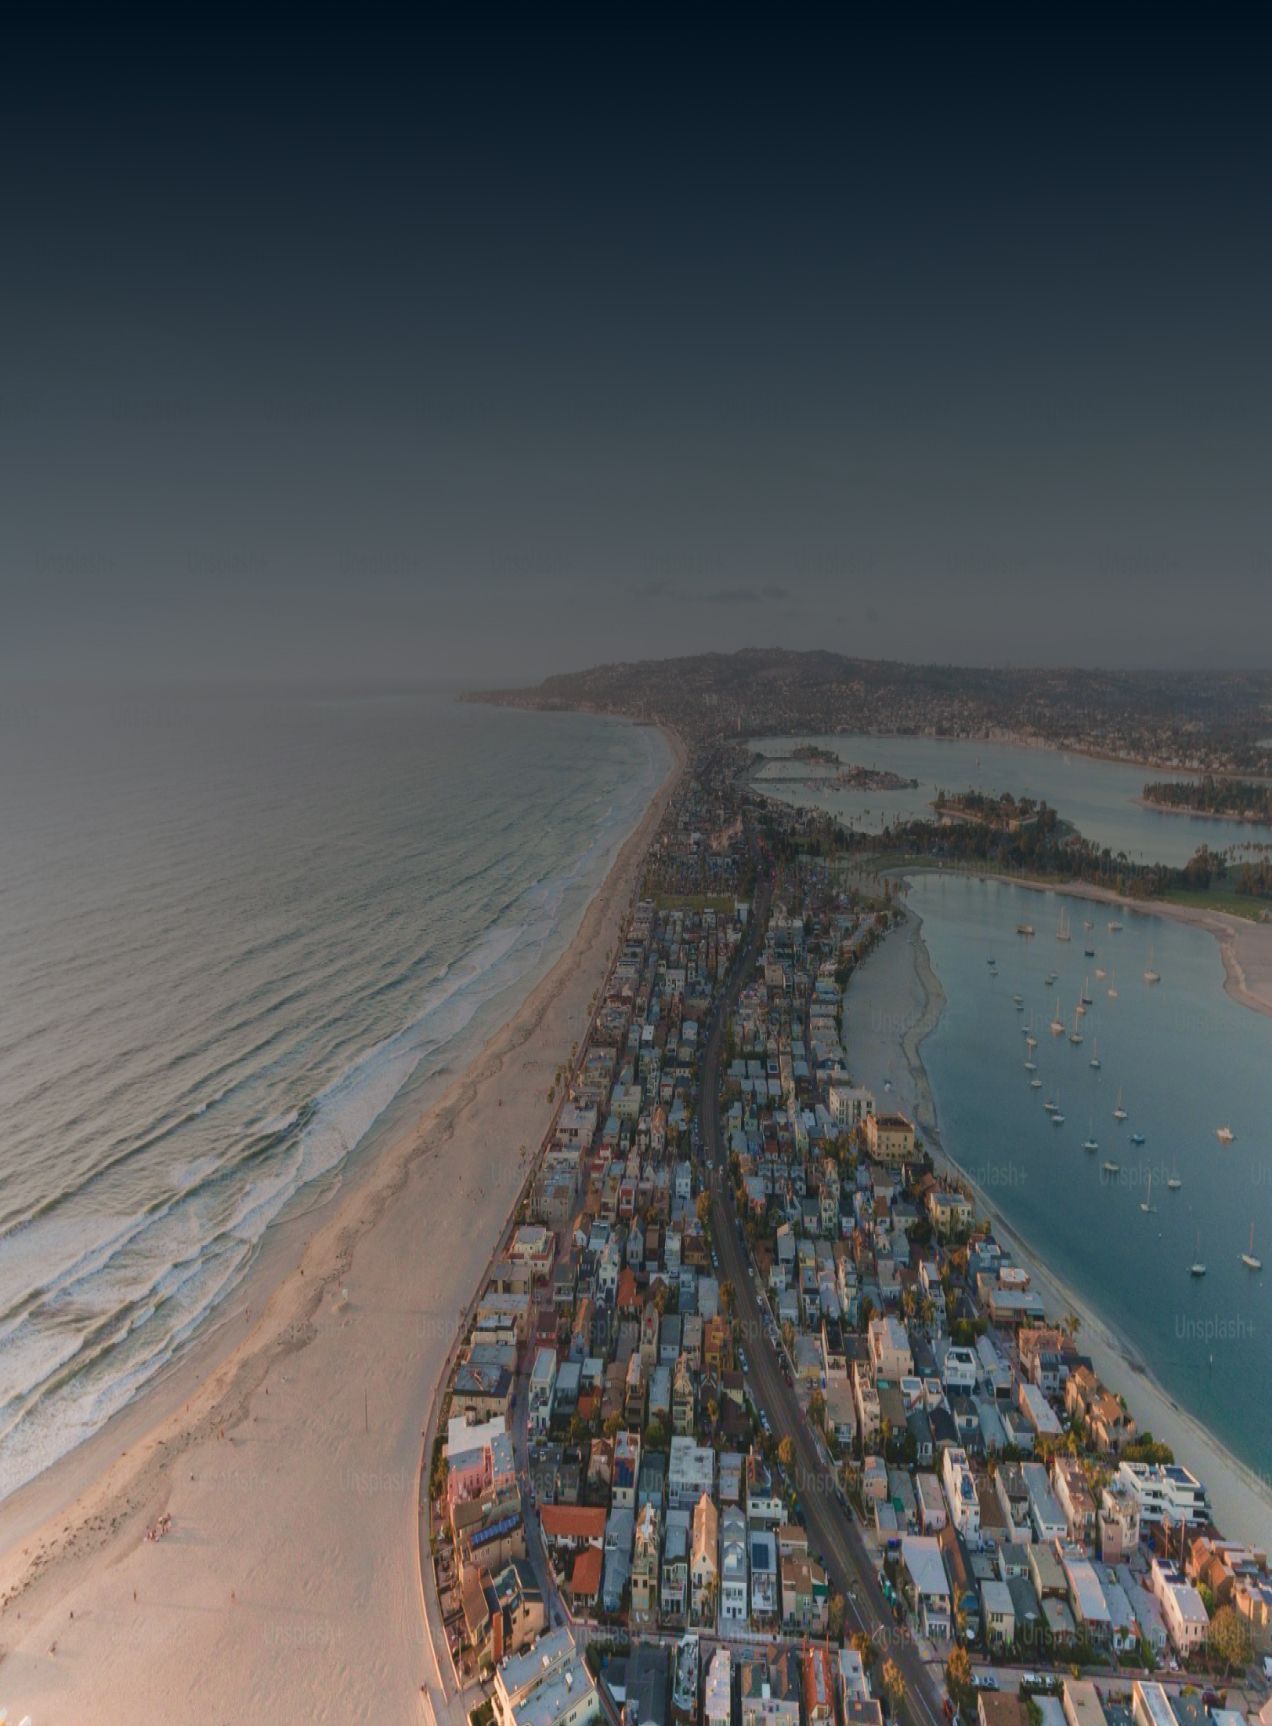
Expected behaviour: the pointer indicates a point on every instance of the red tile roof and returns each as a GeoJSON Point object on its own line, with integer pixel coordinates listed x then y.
{"type": "Point", "coordinates": [585, 1575]}
{"type": "Point", "coordinates": [573, 1521]}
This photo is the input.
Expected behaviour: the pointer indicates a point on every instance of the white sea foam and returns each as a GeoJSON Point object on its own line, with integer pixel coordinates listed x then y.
{"type": "Point", "coordinates": [206, 1142]}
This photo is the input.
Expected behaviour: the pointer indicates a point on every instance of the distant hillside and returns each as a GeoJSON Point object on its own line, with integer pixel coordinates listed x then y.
{"type": "Point", "coordinates": [1208, 721]}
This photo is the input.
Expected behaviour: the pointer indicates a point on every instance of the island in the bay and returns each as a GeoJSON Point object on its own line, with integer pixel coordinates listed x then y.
{"type": "Point", "coordinates": [1233, 799]}
{"type": "Point", "coordinates": [850, 775]}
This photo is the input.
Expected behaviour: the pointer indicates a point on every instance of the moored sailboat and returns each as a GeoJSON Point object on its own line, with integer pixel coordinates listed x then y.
{"type": "Point", "coordinates": [1248, 1258]}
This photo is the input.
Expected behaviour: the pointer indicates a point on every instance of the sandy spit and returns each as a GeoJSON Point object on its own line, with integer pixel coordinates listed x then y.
{"type": "Point", "coordinates": [1245, 946]}
{"type": "Point", "coordinates": [288, 1452]}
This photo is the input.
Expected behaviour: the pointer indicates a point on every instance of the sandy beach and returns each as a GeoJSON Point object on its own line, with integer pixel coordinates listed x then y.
{"type": "Point", "coordinates": [287, 1449]}
{"type": "Point", "coordinates": [1245, 946]}
{"type": "Point", "coordinates": [894, 1000]}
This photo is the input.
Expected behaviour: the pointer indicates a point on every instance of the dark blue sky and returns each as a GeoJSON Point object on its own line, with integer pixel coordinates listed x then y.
{"type": "Point", "coordinates": [506, 350]}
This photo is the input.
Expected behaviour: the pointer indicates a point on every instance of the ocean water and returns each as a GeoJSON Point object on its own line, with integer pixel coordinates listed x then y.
{"type": "Point", "coordinates": [1098, 797]}
{"type": "Point", "coordinates": [236, 933]}
{"type": "Point", "coordinates": [1186, 1060]}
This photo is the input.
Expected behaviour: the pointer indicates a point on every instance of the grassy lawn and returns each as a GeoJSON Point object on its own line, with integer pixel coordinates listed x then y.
{"type": "Point", "coordinates": [1217, 898]}
{"type": "Point", "coordinates": [1221, 899]}
{"type": "Point", "coordinates": [722, 904]}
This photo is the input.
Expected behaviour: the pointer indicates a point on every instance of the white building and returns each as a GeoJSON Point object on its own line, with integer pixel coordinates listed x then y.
{"type": "Point", "coordinates": [547, 1685]}
{"type": "Point", "coordinates": [1187, 1622]}
{"type": "Point", "coordinates": [890, 1355]}
{"type": "Point", "coordinates": [543, 1376]}
{"type": "Point", "coordinates": [960, 1490]}
{"type": "Point", "coordinates": [690, 1473]}
{"type": "Point", "coordinates": [764, 1599]}
{"type": "Point", "coordinates": [734, 1577]}
{"type": "Point", "coordinates": [717, 1690]}
{"type": "Point", "coordinates": [1166, 1492]}
{"type": "Point", "coordinates": [849, 1105]}
{"type": "Point", "coordinates": [959, 1369]}
{"type": "Point", "coordinates": [929, 1585]}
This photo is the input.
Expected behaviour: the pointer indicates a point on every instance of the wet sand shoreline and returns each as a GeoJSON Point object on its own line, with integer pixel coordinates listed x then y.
{"type": "Point", "coordinates": [287, 1449]}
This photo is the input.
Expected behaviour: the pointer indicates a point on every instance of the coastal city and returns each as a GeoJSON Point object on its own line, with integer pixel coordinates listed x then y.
{"type": "Point", "coordinates": [754, 1418]}
{"type": "Point", "coordinates": [636, 870]}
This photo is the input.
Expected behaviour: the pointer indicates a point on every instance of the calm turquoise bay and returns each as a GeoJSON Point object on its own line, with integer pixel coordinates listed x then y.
{"type": "Point", "coordinates": [1186, 1060]}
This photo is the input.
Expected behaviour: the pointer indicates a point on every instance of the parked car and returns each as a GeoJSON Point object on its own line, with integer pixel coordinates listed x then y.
{"type": "Point", "coordinates": [984, 1681]}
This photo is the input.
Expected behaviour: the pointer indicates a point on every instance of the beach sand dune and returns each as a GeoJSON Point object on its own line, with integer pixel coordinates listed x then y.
{"type": "Point", "coordinates": [288, 1586]}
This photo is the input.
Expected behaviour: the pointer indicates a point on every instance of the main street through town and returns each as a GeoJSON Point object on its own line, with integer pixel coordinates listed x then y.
{"type": "Point", "coordinates": [831, 1532]}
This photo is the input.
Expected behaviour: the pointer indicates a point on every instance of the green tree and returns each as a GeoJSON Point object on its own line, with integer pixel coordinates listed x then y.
{"type": "Point", "coordinates": [1229, 1639]}
{"type": "Point", "coordinates": [958, 1678]}
{"type": "Point", "coordinates": [864, 1647]}
{"type": "Point", "coordinates": [893, 1684]}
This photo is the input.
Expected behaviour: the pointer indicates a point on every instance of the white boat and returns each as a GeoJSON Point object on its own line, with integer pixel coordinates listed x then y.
{"type": "Point", "coordinates": [1075, 1035]}
{"type": "Point", "coordinates": [1113, 987]}
{"type": "Point", "coordinates": [1050, 1105]}
{"type": "Point", "coordinates": [1085, 997]}
{"type": "Point", "coordinates": [1090, 1143]}
{"type": "Point", "coordinates": [1062, 929]}
{"type": "Point", "coordinates": [1173, 1183]}
{"type": "Point", "coordinates": [1146, 1203]}
{"type": "Point", "coordinates": [1031, 1066]}
{"type": "Point", "coordinates": [1111, 1168]}
{"type": "Point", "coordinates": [1119, 1113]}
{"type": "Point", "coordinates": [1197, 1268]}
{"type": "Point", "coordinates": [1057, 1119]}
{"type": "Point", "coordinates": [1056, 1027]}
{"type": "Point", "coordinates": [1031, 1042]}
{"type": "Point", "coordinates": [1035, 1084]}
{"type": "Point", "coordinates": [1024, 928]}
{"type": "Point", "coordinates": [1225, 1135]}
{"type": "Point", "coordinates": [1150, 975]}
{"type": "Point", "coordinates": [1248, 1259]}
{"type": "Point", "coordinates": [1100, 974]}
{"type": "Point", "coordinates": [1115, 927]}
{"type": "Point", "coordinates": [1095, 1054]}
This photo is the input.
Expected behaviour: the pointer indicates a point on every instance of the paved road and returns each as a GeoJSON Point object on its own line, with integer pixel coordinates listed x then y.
{"type": "Point", "coordinates": [830, 1528]}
